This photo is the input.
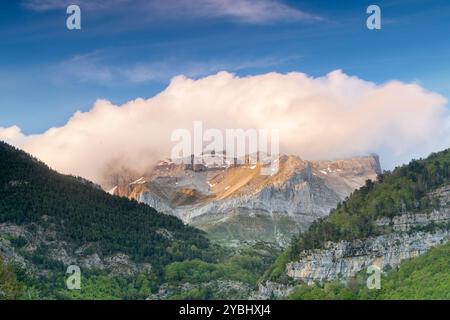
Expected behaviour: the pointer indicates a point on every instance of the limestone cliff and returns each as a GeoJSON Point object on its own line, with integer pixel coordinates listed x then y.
{"type": "Point", "coordinates": [408, 235]}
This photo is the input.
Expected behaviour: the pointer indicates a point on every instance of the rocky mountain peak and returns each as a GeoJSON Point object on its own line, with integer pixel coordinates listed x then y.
{"type": "Point", "coordinates": [214, 193]}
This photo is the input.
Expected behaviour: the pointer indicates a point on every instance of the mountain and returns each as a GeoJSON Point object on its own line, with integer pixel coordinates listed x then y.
{"type": "Point", "coordinates": [236, 202]}
{"type": "Point", "coordinates": [401, 216]}
{"type": "Point", "coordinates": [49, 221]}
{"type": "Point", "coordinates": [125, 249]}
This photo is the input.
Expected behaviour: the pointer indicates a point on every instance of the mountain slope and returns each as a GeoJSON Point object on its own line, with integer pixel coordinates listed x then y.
{"type": "Point", "coordinates": [402, 215]}
{"type": "Point", "coordinates": [53, 220]}
{"type": "Point", "coordinates": [236, 202]}
{"type": "Point", "coordinates": [125, 249]}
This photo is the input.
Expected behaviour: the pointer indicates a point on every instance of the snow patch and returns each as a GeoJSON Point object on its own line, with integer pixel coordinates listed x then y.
{"type": "Point", "coordinates": [112, 190]}
{"type": "Point", "coordinates": [139, 181]}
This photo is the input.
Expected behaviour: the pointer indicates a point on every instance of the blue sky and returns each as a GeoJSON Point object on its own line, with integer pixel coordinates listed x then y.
{"type": "Point", "coordinates": [128, 49]}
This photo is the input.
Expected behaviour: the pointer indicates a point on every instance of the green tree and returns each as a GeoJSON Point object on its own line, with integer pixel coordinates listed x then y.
{"type": "Point", "coordinates": [10, 288]}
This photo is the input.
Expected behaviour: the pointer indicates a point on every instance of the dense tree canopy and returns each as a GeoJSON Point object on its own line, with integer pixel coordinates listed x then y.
{"type": "Point", "coordinates": [83, 213]}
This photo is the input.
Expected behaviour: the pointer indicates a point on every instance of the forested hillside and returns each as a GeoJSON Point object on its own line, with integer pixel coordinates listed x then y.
{"type": "Point", "coordinates": [404, 190]}
{"type": "Point", "coordinates": [49, 220]}
{"type": "Point", "coordinates": [31, 193]}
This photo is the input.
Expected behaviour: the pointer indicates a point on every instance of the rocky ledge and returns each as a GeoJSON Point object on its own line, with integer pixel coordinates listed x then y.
{"type": "Point", "coordinates": [342, 260]}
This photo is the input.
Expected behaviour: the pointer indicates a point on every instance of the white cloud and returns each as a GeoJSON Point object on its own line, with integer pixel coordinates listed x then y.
{"type": "Point", "coordinates": [247, 11]}
{"type": "Point", "coordinates": [12, 135]}
{"type": "Point", "coordinates": [48, 5]}
{"type": "Point", "coordinates": [319, 118]}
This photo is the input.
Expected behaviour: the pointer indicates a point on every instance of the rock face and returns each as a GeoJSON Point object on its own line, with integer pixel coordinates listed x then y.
{"type": "Point", "coordinates": [408, 237]}
{"type": "Point", "coordinates": [343, 260]}
{"type": "Point", "coordinates": [223, 289]}
{"type": "Point", "coordinates": [34, 237]}
{"type": "Point", "coordinates": [237, 202]}
{"type": "Point", "coordinates": [271, 290]}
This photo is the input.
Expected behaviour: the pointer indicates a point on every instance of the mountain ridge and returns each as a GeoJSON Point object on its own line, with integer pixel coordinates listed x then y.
{"type": "Point", "coordinates": [218, 198]}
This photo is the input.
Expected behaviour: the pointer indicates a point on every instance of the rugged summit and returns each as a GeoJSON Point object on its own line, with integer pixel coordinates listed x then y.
{"type": "Point", "coordinates": [235, 202]}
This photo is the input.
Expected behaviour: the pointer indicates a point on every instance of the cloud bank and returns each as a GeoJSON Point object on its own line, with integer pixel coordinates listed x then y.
{"type": "Point", "coordinates": [328, 117]}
